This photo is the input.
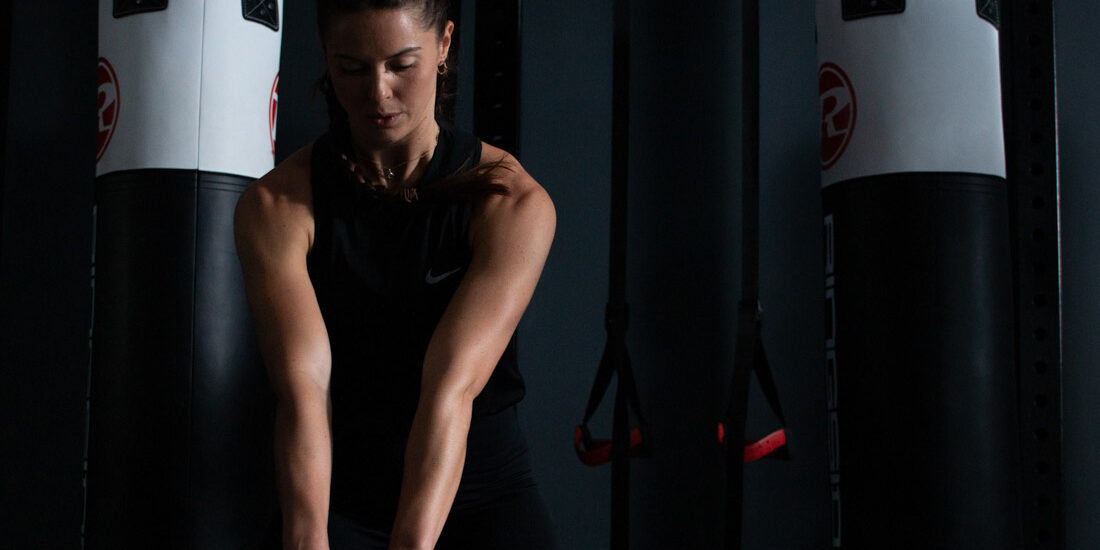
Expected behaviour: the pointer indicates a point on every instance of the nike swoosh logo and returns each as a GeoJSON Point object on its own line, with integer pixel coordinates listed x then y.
{"type": "Point", "coordinates": [433, 279]}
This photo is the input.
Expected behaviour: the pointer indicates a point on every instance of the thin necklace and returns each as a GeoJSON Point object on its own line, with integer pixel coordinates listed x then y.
{"type": "Point", "coordinates": [386, 175]}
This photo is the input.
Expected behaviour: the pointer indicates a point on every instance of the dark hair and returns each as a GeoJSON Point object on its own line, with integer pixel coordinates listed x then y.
{"type": "Point", "coordinates": [475, 181]}
{"type": "Point", "coordinates": [433, 13]}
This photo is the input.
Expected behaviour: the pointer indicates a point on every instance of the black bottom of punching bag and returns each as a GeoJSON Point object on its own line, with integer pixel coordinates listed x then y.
{"type": "Point", "coordinates": [920, 362]}
{"type": "Point", "coordinates": [181, 415]}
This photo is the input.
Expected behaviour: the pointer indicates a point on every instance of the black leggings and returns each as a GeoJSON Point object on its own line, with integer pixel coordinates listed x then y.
{"type": "Point", "coordinates": [515, 521]}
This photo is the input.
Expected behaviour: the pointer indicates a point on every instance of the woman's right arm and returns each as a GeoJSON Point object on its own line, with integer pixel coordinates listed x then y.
{"type": "Point", "coordinates": [273, 227]}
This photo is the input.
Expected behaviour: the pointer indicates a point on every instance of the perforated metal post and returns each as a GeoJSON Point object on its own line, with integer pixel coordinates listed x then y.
{"type": "Point", "coordinates": [497, 73]}
{"type": "Point", "coordinates": [1027, 46]}
{"type": "Point", "coordinates": [5, 68]}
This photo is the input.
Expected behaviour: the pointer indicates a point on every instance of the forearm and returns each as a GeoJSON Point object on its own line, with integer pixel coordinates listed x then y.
{"type": "Point", "coordinates": [303, 461]}
{"type": "Point", "coordinates": [434, 459]}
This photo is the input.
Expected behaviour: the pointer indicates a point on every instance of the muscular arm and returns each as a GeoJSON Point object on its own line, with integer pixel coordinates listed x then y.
{"type": "Point", "coordinates": [511, 237]}
{"type": "Point", "coordinates": [273, 226]}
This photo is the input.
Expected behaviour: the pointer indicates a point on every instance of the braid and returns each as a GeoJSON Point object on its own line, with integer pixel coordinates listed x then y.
{"type": "Point", "coordinates": [338, 125]}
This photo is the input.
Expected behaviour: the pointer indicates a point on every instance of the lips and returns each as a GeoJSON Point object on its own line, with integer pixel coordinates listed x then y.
{"type": "Point", "coordinates": [385, 119]}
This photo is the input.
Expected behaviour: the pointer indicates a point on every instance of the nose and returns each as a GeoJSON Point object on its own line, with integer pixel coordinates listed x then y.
{"type": "Point", "coordinates": [380, 87]}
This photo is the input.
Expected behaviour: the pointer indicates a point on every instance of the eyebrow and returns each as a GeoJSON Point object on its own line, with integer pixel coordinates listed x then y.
{"type": "Point", "coordinates": [405, 51]}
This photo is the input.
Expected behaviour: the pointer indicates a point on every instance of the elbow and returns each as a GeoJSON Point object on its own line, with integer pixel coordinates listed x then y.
{"type": "Point", "coordinates": [450, 380]}
{"type": "Point", "coordinates": [302, 400]}
{"type": "Point", "coordinates": [454, 395]}
{"type": "Point", "coordinates": [305, 378]}
{"type": "Point", "coordinates": [469, 390]}
{"type": "Point", "coordinates": [455, 400]}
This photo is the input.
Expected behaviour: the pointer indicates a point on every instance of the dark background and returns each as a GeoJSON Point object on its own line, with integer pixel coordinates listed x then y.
{"type": "Point", "coordinates": [683, 271]}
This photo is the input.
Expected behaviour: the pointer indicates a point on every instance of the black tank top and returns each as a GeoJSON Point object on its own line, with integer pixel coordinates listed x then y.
{"type": "Point", "coordinates": [384, 270]}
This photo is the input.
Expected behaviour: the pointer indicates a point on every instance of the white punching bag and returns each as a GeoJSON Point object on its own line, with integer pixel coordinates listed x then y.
{"type": "Point", "coordinates": [179, 439]}
{"type": "Point", "coordinates": [920, 363]}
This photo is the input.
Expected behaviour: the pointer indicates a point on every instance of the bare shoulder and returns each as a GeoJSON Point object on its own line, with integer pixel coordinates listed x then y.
{"type": "Point", "coordinates": [279, 204]}
{"type": "Point", "coordinates": [281, 191]}
{"type": "Point", "coordinates": [527, 204]}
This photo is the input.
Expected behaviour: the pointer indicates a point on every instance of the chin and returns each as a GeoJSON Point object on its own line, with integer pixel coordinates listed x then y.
{"type": "Point", "coordinates": [372, 134]}
{"type": "Point", "coordinates": [382, 135]}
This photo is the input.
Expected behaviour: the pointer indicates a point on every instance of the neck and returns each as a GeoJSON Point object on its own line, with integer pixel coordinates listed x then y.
{"type": "Point", "coordinates": [405, 159]}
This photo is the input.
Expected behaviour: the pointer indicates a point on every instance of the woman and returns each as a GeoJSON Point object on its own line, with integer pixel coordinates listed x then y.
{"type": "Point", "coordinates": [387, 266]}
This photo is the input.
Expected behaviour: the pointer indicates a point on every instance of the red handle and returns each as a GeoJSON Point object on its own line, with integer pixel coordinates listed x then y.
{"type": "Point", "coordinates": [755, 450]}
{"type": "Point", "coordinates": [600, 450]}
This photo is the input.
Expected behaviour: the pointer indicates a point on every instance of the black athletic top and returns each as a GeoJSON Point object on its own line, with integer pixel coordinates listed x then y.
{"type": "Point", "coordinates": [384, 270]}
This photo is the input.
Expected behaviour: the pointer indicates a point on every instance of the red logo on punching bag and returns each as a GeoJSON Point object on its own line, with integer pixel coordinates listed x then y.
{"type": "Point", "coordinates": [108, 105]}
{"type": "Point", "coordinates": [838, 112]}
{"type": "Point", "coordinates": [273, 111]}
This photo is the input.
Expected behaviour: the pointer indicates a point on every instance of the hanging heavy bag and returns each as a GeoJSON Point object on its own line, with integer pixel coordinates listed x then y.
{"type": "Point", "coordinates": [179, 440]}
{"type": "Point", "coordinates": [918, 278]}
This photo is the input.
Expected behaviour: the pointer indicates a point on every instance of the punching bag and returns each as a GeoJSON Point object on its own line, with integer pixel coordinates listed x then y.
{"type": "Point", "coordinates": [180, 415]}
{"type": "Point", "coordinates": [919, 323]}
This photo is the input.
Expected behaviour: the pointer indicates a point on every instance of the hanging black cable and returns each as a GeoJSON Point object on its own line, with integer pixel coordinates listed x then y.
{"type": "Point", "coordinates": [625, 442]}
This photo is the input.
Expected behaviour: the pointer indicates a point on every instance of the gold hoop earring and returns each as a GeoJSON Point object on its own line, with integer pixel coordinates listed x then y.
{"type": "Point", "coordinates": [442, 68]}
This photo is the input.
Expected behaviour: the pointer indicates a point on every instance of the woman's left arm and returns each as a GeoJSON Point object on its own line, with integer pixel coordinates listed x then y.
{"type": "Point", "coordinates": [511, 238]}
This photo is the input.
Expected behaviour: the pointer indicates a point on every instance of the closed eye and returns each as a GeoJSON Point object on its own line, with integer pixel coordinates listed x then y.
{"type": "Point", "coordinates": [402, 63]}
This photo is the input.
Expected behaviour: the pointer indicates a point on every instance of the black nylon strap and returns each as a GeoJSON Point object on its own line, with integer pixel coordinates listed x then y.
{"type": "Point", "coordinates": [616, 324]}
{"type": "Point", "coordinates": [750, 152]}
{"type": "Point", "coordinates": [748, 337]}
{"type": "Point", "coordinates": [614, 350]}
{"type": "Point", "coordinates": [749, 351]}
{"type": "Point", "coordinates": [767, 383]}
{"type": "Point", "coordinates": [616, 359]}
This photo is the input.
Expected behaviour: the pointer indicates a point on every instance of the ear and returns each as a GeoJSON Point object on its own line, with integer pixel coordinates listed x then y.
{"type": "Point", "coordinates": [445, 41]}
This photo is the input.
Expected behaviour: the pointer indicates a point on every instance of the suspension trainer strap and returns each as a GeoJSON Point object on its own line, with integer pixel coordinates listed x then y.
{"type": "Point", "coordinates": [616, 359]}
{"type": "Point", "coordinates": [747, 334]}
{"type": "Point", "coordinates": [749, 348]}
{"type": "Point", "coordinates": [620, 126]}
{"type": "Point", "coordinates": [625, 441]}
